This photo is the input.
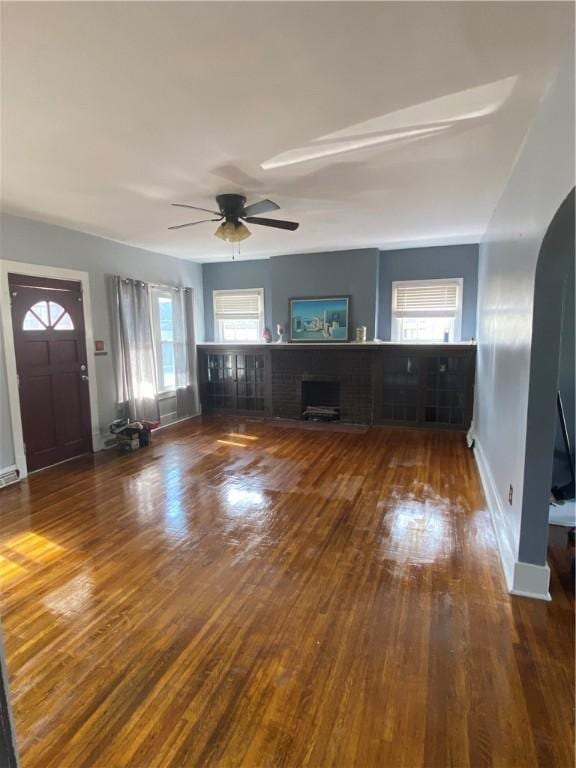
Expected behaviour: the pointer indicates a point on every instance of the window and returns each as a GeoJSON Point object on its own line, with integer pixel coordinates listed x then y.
{"type": "Point", "coordinates": [427, 310]}
{"type": "Point", "coordinates": [163, 325]}
{"type": "Point", "coordinates": [47, 314]}
{"type": "Point", "coordinates": [239, 315]}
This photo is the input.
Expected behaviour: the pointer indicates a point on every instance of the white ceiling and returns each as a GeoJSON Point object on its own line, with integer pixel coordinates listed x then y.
{"type": "Point", "coordinates": [372, 124]}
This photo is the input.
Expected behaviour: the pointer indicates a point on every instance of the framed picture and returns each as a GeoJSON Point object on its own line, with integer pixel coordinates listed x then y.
{"type": "Point", "coordinates": [323, 319]}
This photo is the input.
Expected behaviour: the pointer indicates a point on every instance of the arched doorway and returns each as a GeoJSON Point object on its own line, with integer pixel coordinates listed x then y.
{"type": "Point", "coordinates": [554, 260]}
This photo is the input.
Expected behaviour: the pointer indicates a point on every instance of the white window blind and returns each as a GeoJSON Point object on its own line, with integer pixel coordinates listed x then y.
{"type": "Point", "coordinates": [427, 310]}
{"type": "Point", "coordinates": [426, 299]}
{"type": "Point", "coordinates": [238, 304]}
{"type": "Point", "coordinates": [239, 315]}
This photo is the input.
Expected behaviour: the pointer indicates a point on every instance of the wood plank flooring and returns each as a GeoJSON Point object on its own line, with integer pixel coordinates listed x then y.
{"type": "Point", "coordinates": [243, 594]}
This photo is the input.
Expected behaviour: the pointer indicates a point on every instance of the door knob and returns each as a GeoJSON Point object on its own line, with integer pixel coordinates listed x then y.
{"type": "Point", "coordinates": [84, 377]}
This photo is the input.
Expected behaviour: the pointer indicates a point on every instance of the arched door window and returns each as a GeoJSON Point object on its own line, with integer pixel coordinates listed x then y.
{"type": "Point", "coordinates": [47, 314]}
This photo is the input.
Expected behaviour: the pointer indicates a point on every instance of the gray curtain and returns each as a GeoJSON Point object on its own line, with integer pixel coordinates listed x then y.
{"type": "Point", "coordinates": [180, 339]}
{"type": "Point", "coordinates": [187, 399]}
{"type": "Point", "coordinates": [136, 363]}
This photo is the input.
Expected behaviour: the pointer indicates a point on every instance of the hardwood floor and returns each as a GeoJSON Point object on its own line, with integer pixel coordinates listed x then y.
{"type": "Point", "coordinates": [244, 594]}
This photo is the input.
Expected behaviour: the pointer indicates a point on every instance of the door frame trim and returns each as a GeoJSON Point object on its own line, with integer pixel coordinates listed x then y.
{"type": "Point", "coordinates": [57, 273]}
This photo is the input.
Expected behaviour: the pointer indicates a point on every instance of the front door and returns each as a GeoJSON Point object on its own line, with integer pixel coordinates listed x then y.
{"type": "Point", "coordinates": [48, 322]}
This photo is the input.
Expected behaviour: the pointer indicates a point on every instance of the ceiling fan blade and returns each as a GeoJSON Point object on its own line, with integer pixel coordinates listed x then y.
{"type": "Point", "coordinates": [192, 223]}
{"type": "Point", "coordinates": [277, 223]}
{"type": "Point", "coordinates": [195, 208]}
{"type": "Point", "coordinates": [264, 206]}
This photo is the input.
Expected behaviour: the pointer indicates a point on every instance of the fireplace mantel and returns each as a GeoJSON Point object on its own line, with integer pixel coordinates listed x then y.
{"type": "Point", "coordinates": [336, 345]}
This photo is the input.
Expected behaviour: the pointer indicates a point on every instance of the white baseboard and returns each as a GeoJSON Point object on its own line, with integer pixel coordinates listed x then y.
{"type": "Point", "coordinates": [524, 579]}
{"type": "Point", "coordinates": [163, 425]}
{"type": "Point", "coordinates": [531, 581]}
{"type": "Point", "coordinates": [506, 546]}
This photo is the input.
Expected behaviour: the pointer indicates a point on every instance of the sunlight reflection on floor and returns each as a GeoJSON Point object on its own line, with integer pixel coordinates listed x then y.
{"type": "Point", "coordinates": [73, 598]}
{"type": "Point", "coordinates": [418, 532]}
{"type": "Point", "coordinates": [36, 547]}
{"type": "Point", "coordinates": [9, 570]}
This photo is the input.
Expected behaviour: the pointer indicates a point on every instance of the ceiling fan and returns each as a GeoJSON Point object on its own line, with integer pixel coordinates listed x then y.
{"type": "Point", "coordinates": [232, 215]}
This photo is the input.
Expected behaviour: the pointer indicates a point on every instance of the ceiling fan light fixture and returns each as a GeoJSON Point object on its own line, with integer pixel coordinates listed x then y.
{"type": "Point", "coordinates": [232, 231]}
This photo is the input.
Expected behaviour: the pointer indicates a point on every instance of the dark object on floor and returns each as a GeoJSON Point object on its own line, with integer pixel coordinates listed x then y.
{"type": "Point", "coordinates": [567, 491]}
{"type": "Point", "coordinates": [145, 435]}
{"type": "Point", "coordinates": [131, 435]}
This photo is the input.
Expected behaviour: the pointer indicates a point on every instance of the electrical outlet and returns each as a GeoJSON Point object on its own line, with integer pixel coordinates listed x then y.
{"type": "Point", "coordinates": [510, 494]}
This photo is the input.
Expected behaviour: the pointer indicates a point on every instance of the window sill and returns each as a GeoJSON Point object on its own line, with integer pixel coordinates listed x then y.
{"type": "Point", "coordinates": [167, 395]}
{"type": "Point", "coordinates": [425, 341]}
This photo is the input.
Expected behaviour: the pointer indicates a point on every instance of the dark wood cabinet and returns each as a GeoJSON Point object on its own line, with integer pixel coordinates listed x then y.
{"type": "Point", "coordinates": [424, 387]}
{"type": "Point", "coordinates": [235, 381]}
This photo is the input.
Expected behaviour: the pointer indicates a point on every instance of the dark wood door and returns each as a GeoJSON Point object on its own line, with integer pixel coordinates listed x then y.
{"type": "Point", "coordinates": [50, 343]}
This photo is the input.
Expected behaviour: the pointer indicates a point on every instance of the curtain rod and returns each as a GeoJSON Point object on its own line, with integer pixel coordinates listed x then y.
{"type": "Point", "coordinates": [156, 285]}
{"type": "Point", "coordinates": [170, 287]}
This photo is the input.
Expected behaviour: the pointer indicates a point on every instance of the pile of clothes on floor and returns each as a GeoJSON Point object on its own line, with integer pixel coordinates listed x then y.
{"type": "Point", "coordinates": [131, 435]}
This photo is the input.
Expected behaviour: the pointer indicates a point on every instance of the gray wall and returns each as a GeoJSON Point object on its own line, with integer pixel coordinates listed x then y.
{"type": "Point", "coordinates": [366, 275]}
{"type": "Point", "coordinates": [34, 242]}
{"type": "Point", "coordinates": [353, 273]}
{"type": "Point", "coordinates": [540, 181]}
{"type": "Point", "coordinates": [553, 265]}
{"type": "Point", "coordinates": [227, 275]}
{"type": "Point", "coordinates": [429, 264]}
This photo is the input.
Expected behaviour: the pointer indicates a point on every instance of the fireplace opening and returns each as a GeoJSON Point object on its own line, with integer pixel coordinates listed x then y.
{"type": "Point", "coordinates": [320, 400]}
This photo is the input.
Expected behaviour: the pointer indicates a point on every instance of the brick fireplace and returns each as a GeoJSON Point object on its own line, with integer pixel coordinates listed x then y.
{"type": "Point", "coordinates": [320, 398]}
{"type": "Point", "coordinates": [347, 370]}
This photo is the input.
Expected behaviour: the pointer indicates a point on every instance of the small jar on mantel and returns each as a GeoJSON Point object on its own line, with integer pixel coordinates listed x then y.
{"type": "Point", "coordinates": [361, 334]}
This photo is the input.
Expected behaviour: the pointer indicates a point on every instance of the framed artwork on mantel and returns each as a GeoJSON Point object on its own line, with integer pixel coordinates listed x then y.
{"type": "Point", "coordinates": [324, 319]}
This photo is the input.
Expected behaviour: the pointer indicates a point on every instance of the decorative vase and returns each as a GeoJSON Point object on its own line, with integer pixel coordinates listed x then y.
{"type": "Point", "coordinates": [280, 330]}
